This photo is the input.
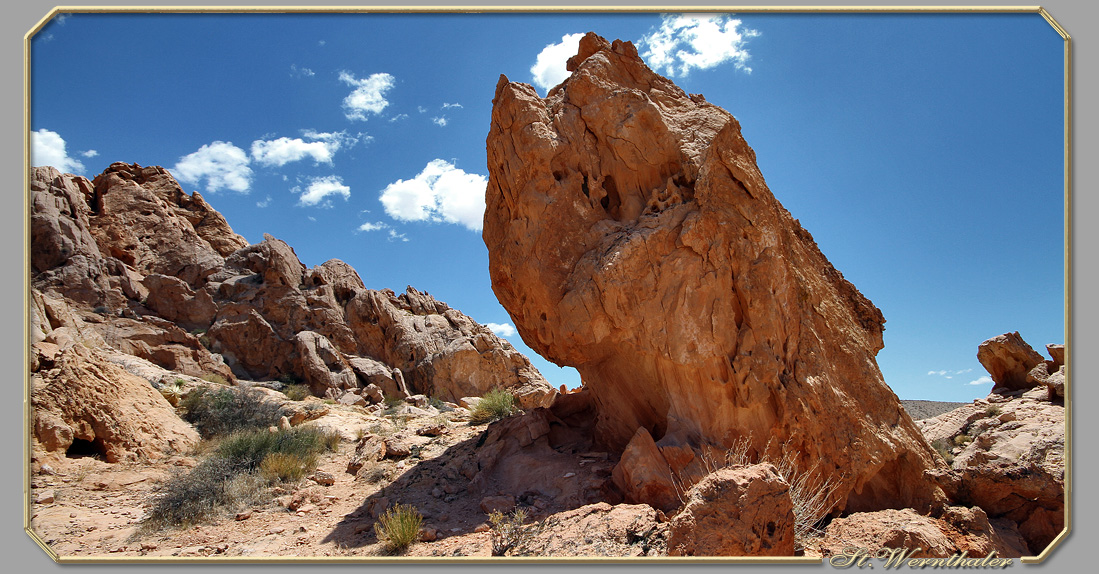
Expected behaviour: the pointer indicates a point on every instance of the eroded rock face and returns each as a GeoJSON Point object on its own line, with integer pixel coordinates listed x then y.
{"type": "Point", "coordinates": [83, 397]}
{"type": "Point", "coordinates": [631, 235]}
{"type": "Point", "coordinates": [1008, 359]}
{"type": "Point", "coordinates": [958, 530]}
{"type": "Point", "coordinates": [152, 271]}
{"type": "Point", "coordinates": [735, 512]}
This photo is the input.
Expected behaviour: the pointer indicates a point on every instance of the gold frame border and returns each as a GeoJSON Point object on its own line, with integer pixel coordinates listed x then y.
{"type": "Point", "coordinates": [28, 413]}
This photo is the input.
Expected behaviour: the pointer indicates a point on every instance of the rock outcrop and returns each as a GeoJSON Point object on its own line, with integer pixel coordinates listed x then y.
{"type": "Point", "coordinates": [155, 272]}
{"type": "Point", "coordinates": [743, 511]}
{"type": "Point", "coordinates": [631, 235]}
{"type": "Point", "coordinates": [958, 530]}
{"type": "Point", "coordinates": [1008, 359]}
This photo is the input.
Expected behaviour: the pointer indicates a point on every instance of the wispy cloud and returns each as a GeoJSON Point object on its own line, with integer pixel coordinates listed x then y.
{"type": "Point", "coordinates": [447, 106]}
{"type": "Point", "coordinates": [702, 41]}
{"type": "Point", "coordinates": [501, 329]}
{"type": "Point", "coordinates": [376, 226]}
{"type": "Point", "coordinates": [301, 72]}
{"type": "Point", "coordinates": [985, 380]}
{"type": "Point", "coordinates": [221, 165]}
{"type": "Point", "coordinates": [441, 192]}
{"type": "Point", "coordinates": [266, 201]}
{"type": "Point", "coordinates": [394, 236]}
{"type": "Point", "coordinates": [48, 148]}
{"type": "Point", "coordinates": [398, 117]}
{"type": "Point", "coordinates": [368, 96]}
{"type": "Point", "coordinates": [549, 67]}
{"type": "Point", "coordinates": [321, 188]}
{"type": "Point", "coordinates": [440, 121]}
{"type": "Point", "coordinates": [949, 374]}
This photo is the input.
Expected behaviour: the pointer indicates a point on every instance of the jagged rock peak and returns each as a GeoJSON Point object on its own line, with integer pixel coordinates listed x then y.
{"type": "Point", "coordinates": [631, 235]}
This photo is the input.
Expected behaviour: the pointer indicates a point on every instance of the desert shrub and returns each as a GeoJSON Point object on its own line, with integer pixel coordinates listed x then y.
{"type": "Point", "coordinates": [399, 527]}
{"type": "Point", "coordinates": [376, 474]}
{"type": "Point", "coordinates": [944, 448]}
{"type": "Point", "coordinates": [215, 378]}
{"type": "Point", "coordinates": [297, 392]}
{"type": "Point", "coordinates": [993, 411]}
{"type": "Point", "coordinates": [495, 405]}
{"type": "Point", "coordinates": [246, 450]}
{"type": "Point", "coordinates": [439, 404]}
{"type": "Point", "coordinates": [963, 439]}
{"type": "Point", "coordinates": [220, 412]}
{"type": "Point", "coordinates": [284, 467]}
{"type": "Point", "coordinates": [201, 495]}
{"type": "Point", "coordinates": [508, 530]}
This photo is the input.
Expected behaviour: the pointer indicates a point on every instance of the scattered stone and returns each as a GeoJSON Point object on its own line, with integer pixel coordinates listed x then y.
{"type": "Point", "coordinates": [244, 515]}
{"type": "Point", "coordinates": [501, 503]}
{"type": "Point", "coordinates": [323, 478]}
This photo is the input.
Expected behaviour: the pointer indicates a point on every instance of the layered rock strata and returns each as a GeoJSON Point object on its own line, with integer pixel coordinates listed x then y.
{"type": "Point", "coordinates": [631, 235]}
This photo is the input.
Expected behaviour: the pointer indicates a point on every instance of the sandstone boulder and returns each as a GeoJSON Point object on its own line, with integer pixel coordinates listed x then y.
{"type": "Point", "coordinates": [632, 236]}
{"type": "Point", "coordinates": [601, 530]}
{"type": "Point", "coordinates": [958, 530]}
{"type": "Point", "coordinates": [743, 511]}
{"type": "Point", "coordinates": [87, 401]}
{"type": "Point", "coordinates": [1008, 359]}
{"type": "Point", "coordinates": [323, 365]}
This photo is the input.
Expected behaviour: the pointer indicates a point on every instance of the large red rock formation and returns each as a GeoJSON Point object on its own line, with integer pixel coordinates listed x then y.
{"type": "Point", "coordinates": [631, 235]}
{"type": "Point", "coordinates": [155, 272]}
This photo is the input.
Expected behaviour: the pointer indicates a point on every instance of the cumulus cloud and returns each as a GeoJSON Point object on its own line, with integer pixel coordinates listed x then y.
{"type": "Point", "coordinates": [368, 97]}
{"type": "Point", "coordinates": [221, 165]}
{"type": "Point", "coordinates": [302, 72]}
{"type": "Point", "coordinates": [549, 67]}
{"type": "Point", "coordinates": [89, 153]}
{"type": "Point", "coordinates": [501, 329]}
{"type": "Point", "coordinates": [376, 226]}
{"type": "Point", "coordinates": [440, 121]}
{"type": "Point", "coordinates": [281, 151]}
{"type": "Point", "coordinates": [48, 148]}
{"type": "Point", "coordinates": [985, 380]}
{"type": "Point", "coordinates": [321, 188]}
{"type": "Point", "coordinates": [686, 41]}
{"type": "Point", "coordinates": [441, 192]}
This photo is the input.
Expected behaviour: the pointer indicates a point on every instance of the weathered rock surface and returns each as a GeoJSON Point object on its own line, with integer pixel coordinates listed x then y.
{"type": "Point", "coordinates": [1008, 359]}
{"type": "Point", "coordinates": [170, 282]}
{"type": "Point", "coordinates": [742, 511]}
{"type": "Point", "coordinates": [958, 530]}
{"type": "Point", "coordinates": [601, 530]}
{"type": "Point", "coordinates": [82, 396]}
{"type": "Point", "coordinates": [631, 235]}
{"type": "Point", "coordinates": [1012, 463]}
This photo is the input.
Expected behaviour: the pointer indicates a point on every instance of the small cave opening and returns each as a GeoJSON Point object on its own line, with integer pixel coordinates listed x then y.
{"type": "Point", "coordinates": [612, 201]}
{"type": "Point", "coordinates": [81, 448]}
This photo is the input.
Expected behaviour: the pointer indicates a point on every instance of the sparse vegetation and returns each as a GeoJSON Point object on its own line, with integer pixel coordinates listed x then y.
{"type": "Point", "coordinates": [993, 411]}
{"type": "Point", "coordinates": [944, 448]}
{"type": "Point", "coordinates": [246, 450]}
{"type": "Point", "coordinates": [509, 531]}
{"type": "Point", "coordinates": [399, 527]}
{"type": "Point", "coordinates": [220, 412]}
{"type": "Point", "coordinates": [297, 392]}
{"type": "Point", "coordinates": [215, 378]}
{"type": "Point", "coordinates": [439, 404]}
{"type": "Point", "coordinates": [284, 467]}
{"type": "Point", "coordinates": [963, 439]}
{"type": "Point", "coordinates": [495, 405]}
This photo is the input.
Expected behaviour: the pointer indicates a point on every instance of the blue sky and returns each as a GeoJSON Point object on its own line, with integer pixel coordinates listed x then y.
{"type": "Point", "coordinates": [923, 152]}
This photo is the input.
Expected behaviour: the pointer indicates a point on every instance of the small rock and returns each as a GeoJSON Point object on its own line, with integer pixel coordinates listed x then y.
{"type": "Point", "coordinates": [46, 469]}
{"type": "Point", "coordinates": [323, 478]}
{"type": "Point", "coordinates": [569, 474]}
{"type": "Point", "coordinates": [428, 534]}
{"type": "Point", "coordinates": [437, 492]}
{"type": "Point", "coordinates": [46, 497]}
{"type": "Point", "coordinates": [148, 546]}
{"type": "Point", "coordinates": [482, 527]}
{"type": "Point", "coordinates": [244, 515]}
{"type": "Point", "coordinates": [501, 503]}
{"type": "Point", "coordinates": [284, 423]}
{"type": "Point", "coordinates": [278, 530]}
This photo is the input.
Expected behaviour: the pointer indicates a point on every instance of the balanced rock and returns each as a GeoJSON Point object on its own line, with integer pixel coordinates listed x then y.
{"type": "Point", "coordinates": [1008, 359]}
{"type": "Point", "coordinates": [631, 235]}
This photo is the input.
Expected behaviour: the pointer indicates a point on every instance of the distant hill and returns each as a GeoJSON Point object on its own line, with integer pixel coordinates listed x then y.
{"type": "Point", "coordinates": [919, 410]}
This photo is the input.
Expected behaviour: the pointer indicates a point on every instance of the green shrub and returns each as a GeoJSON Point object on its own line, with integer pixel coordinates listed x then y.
{"type": "Point", "coordinates": [993, 411]}
{"type": "Point", "coordinates": [215, 378]}
{"type": "Point", "coordinates": [297, 392]}
{"type": "Point", "coordinates": [495, 405]}
{"type": "Point", "coordinates": [963, 439]}
{"type": "Point", "coordinates": [220, 412]}
{"type": "Point", "coordinates": [246, 450]}
{"type": "Point", "coordinates": [399, 527]}
{"type": "Point", "coordinates": [508, 530]}
{"type": "Point", "coordinates": [943, 447]}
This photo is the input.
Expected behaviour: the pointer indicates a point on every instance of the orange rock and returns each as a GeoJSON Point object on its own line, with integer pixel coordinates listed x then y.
{"type": "Point", "coordinates": [632, 236]}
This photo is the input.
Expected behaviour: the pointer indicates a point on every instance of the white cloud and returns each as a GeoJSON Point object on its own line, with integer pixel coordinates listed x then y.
{"type": "Point", "coordinates": [48, 148]}
{"type": "Point", "coordinates": [394, 236]}
{"type": "Point", "coordinates": [368, 95]}
{"type": "Point", "coordinates": [376, 226]}
{"type": "Point", "coordinates": [90, 153]}
{"type": "Point", "coordinates": [320, 188]}
{"type": "Point", "coordinates": [440, 121]}
{"type": "Point", "coordinates": [702, 41]}
{"type": "Point", "coordinates": [302, 72]}
{"type": "Point", "coordinates": [549, 68]}
{"type": "Point", "coordinates": [982, 381]}
{"type": "Point", "coordinates": [949, 374]}
{"type": "Point", "coordinates": [220, 164]}
{"type": "Point", "coordinates": [421, 109]}
{"type": "Point", "coordinates": [501, 330]}
{"type": "Point", "coordinates": [447, 106]}
{"type": "Point", "coordinates": [398, 117]}
{"type": "Point", "coordinates": [281, 151]}
{"type": "Point", "coordinates": [441, 192]}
